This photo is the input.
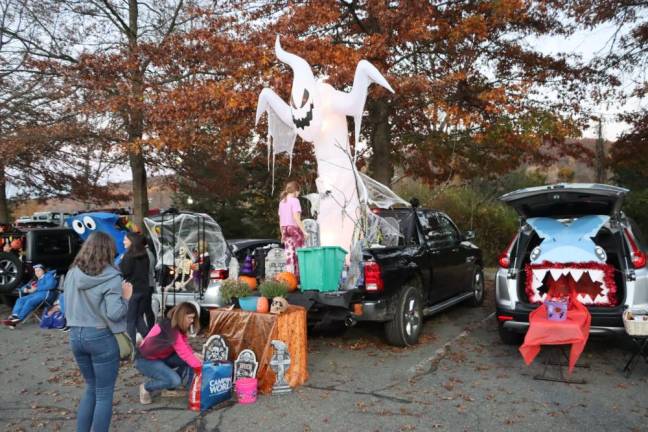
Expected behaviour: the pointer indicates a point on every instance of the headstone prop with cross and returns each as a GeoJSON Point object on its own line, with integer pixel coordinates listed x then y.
{"type": "Point", "coordinates": [280, 363]}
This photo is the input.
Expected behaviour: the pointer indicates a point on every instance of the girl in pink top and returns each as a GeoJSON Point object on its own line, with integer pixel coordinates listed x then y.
{"type": "Point", "coordinates": [165, 355]}
{"type": "Point", "coordinates": [292, 229]}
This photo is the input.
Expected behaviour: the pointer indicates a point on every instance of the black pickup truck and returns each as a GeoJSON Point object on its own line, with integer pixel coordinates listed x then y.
{"type": "Point", "coordinates": [433, 267]}
{"type": "Point", "coordinates": [55, 248]}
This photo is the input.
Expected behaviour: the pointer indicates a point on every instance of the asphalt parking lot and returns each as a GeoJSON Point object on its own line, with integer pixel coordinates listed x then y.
{"type": "Point", "coordinates": [460, 377]}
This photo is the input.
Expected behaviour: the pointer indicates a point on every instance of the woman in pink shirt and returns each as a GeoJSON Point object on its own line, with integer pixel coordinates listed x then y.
{"type": "Point", "coordinates": [290, 224]}
{"type": "Point", "coordinates": [165, 355]}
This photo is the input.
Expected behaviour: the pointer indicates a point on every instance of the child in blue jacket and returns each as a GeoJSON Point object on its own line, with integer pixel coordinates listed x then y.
{"type": "Point", "coordinates": [34, 293]}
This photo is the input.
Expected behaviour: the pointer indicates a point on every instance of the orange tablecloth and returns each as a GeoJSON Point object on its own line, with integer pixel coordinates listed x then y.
{"type": "Point", "coordinates": [574, 330]}
{"type": "Point", "coordinates": [242, 330]}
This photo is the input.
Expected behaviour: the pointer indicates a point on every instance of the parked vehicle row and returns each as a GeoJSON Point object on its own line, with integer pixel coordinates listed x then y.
{"type": "Point", "coordinates": [428, 266]}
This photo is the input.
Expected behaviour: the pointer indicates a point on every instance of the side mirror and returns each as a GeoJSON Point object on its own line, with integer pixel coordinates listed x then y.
{"type": "Point", "coordinates": [469, 235]}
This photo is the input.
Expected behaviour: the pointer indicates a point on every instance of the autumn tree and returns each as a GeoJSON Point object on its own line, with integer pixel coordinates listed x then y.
{"type": "Point", "coordinates": [48, 146]}
{"type": "Point", "coordinates": [469, 85]}
{"type": "Point", "coordinates": [101, 50]}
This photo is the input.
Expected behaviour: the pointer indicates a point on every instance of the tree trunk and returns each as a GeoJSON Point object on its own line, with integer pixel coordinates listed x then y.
{"type": "Point", "coordinates": [599, 160]}
{"type": "Point", "coordinates": [380, 165]}
{"type": "Point", "coordinates": [136, 124]}
{"type": "Point", "coordinates": [140, 190]}
{"type": "Point", "coordinates": [5, 216]}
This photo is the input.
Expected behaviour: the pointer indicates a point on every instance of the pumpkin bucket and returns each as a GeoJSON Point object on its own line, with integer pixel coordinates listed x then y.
{"type": "Point", "coordinates": [246, 390]}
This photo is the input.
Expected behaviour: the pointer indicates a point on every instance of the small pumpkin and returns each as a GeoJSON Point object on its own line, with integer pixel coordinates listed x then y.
{"type": "Point", "coordinates": [263, 305]}
{"type": "Point", "coordinates": [287, 278]}
{"type": "Point", "coordinates": [250, 281]}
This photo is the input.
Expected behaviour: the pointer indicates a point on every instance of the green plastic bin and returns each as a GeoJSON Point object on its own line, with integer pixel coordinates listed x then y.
{"type": "Point", "coordinates": [320, 268]}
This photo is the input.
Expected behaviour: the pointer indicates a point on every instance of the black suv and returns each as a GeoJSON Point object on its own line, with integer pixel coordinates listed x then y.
{"type": "Point", "coordinates": [55, 248]}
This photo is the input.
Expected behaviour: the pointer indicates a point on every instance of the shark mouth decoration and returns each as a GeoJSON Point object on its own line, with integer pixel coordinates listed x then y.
{"type": "Point", "coordinates": [593, 282]}
{"type": "Point", "coordinates": [306, 121]}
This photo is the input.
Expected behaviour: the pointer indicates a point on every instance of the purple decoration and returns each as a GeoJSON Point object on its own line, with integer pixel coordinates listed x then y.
{"type": "Point", "coordinates": [557, 309]}
{"type": "Point", "coordinates": [248, 268]}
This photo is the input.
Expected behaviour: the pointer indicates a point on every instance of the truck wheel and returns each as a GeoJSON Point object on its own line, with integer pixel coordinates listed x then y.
{"type": "Point", "coordinates": [508, 337]}
{"type": "Point", "coordinates": [405, 328]}
{"type": "Point", "coordinates": [11, 271]}
{"type": "Point", "coordinates": [477, 288]}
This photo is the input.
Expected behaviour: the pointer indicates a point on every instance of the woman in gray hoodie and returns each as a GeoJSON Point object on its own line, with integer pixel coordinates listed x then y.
{"type": "Point", "coordinates": [96, 301]}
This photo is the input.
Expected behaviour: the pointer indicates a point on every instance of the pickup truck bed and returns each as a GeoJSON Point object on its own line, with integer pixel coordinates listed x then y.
{"type": "Point", "coordinates": [427, 268]}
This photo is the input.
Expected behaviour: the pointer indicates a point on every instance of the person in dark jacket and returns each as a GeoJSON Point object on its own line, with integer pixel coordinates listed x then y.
{"type": "Point", "coordinates": [135, 269]}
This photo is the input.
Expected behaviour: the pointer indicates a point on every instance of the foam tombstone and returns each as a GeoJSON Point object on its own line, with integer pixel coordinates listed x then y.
{"type": "Point", "coordinates": [318, 114]}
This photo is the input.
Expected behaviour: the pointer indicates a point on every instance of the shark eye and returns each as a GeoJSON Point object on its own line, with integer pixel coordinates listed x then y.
{"type": "Point", "coordinates": [89, 223]}
{"type": "Point", "coordinates": [600, 253]}
{"type": "Point", "coordinates": [535, 253]}
{"type": "Point", "coordinates": [78, 226]}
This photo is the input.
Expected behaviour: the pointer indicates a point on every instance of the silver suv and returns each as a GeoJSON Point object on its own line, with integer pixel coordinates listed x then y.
{"type": "Point", "coordinates": [571, 236]}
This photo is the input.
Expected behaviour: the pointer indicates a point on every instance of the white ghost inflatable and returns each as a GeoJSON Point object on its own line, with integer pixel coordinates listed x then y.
{"type": "Point", "coordinates": [317, 113]}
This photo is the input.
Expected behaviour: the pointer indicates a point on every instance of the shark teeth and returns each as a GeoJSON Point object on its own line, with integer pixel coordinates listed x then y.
{"type": "Point", "coordinates": [595, 275]}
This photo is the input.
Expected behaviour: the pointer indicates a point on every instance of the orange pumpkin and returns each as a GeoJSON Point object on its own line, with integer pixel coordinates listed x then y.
{"type": "Point", "coordinates": [263, 305]}
{"type": "Point", "coordinates": [287, 278]}
{"type": "Point", "coordinates": [250, 281]}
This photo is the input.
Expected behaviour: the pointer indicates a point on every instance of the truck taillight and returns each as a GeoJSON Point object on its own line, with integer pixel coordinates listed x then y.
{"type": "Point", "coordinates": [219, 274]}
{"type": "Point", "coordinates": [372, 276]}
{"type": "Point", "coordinates": [504, 260]}
{"type": "Point", "coordinates": [638, 256]}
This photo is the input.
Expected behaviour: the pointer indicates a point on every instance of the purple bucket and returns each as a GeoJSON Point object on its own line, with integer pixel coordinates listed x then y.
{"type": "Point", "coordinates": [557, 309]}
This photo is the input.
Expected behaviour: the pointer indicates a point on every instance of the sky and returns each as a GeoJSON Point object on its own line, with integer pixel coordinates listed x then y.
{"type": "Point", "coordinates": [589, 44]}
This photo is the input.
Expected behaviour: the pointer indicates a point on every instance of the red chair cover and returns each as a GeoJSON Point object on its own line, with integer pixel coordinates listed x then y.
{"type": "Point", "coordinates": [574, 330]}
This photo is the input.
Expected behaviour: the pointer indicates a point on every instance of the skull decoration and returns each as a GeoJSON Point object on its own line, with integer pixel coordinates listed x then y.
{"type": "Point", "coordinates": [279, 304]}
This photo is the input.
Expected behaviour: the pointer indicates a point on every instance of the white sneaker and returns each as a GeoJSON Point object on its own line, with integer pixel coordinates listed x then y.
{"type": "Point", "coordinates": [145, 396]}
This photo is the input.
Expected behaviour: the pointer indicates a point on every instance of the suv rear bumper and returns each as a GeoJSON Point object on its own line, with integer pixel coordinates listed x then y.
{"type": "Point", "coordinates": [604, 322]}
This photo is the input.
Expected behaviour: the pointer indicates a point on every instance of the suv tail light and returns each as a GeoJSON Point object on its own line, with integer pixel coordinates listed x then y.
{"type": "Point", "coordinates": [504, 259]}
{"type": "Point", "coordinates": [219, 274]}
{"type": "Point", "coordinates": [372, 276]}
{"type": "Point", "coordinates": [638, 256]}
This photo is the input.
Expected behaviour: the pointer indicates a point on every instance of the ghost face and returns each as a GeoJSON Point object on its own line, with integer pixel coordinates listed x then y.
{"type": "Point", "coordinates": [279, 305]}
{"type": "Point", "coordinates": [305, 108]}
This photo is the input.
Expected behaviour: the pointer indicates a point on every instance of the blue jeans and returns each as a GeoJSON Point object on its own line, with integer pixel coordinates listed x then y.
{"type": "Point", "coordinates": [168, 373]}
{"type": "Point", "coordinates": [97, 354]}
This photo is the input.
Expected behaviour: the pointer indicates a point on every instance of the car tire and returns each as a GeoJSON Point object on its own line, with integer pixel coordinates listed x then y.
{"type": "Point", "coordinates": [405, 328]}
{"type": "Point", "coordinates": [508, 337]}
{"type": "Point", "coordinates": [477, 288]}
{"type": "Point", "coordinates": [11, 272]}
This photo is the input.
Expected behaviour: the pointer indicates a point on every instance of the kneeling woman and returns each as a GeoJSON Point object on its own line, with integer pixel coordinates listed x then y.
{"type": "Point", "coordinates": [165, 355]}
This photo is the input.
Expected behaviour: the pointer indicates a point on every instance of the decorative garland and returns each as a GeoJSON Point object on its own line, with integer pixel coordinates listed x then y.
{"type": "Point", "coordinates": [607, 269]}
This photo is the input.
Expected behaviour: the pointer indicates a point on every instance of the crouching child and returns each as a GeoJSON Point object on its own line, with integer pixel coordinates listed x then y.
{"type": "Point", "coordinates": [165, 356]}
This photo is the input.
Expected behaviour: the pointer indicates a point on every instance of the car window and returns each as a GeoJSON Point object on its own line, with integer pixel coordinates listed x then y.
{"type": "Point", "coordinates": [442, 232]}
{"type": "Point", "coordinates": [53, 244]}
{"type": "Point", "coordinates": [448, 228]}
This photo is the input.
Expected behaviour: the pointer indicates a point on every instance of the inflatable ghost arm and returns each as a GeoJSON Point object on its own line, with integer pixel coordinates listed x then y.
{"type": "Point", "coordinates": [281, 129]}
{"type": "Point", "coordinates": [352, 103]}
